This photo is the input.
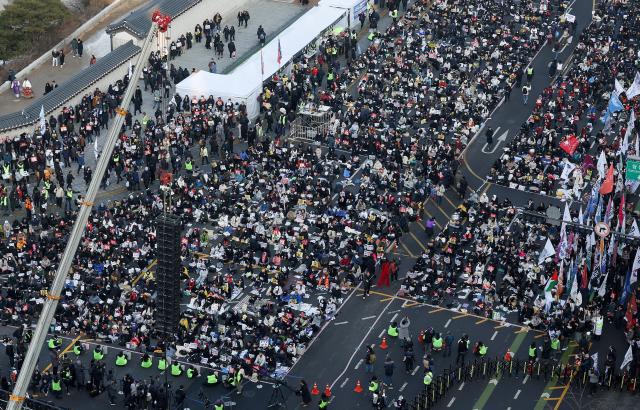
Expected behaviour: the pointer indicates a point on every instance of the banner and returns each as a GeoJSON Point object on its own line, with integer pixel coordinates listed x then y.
{"type": "Point", "coordinates": [570, 144]}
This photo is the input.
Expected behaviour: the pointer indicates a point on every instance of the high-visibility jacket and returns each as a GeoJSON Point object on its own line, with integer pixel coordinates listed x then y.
{"type": "Point", "coordinates": [437, 343]}
{"type": "Point", "coordinates": [330, 76]}
{"type": "Point", "coordinates": [6, 169]}
{"type": "Point", "coordinates": [146, 362]}
{"type": "Point", "coordinates": [373, 386]}
{"type": "Point", "coordinates": [53, 343]}
{"type": "Point", "coordinates": [97, 355]}
{"type": "Point", "coordinates": [394, 14]}
{"type": "Point", "coordinates": [530, 71]}
{"type": "Point", "coordinates": [392, 331]}
{"type": "Point", "coordinates": [176, 370]}
{"type": "Point", "coordinates": [370, 36]}
{"type": "Point", "coordinates": [218, 406]}
{"type": "Point", "coordinates": [69, 193]}
{"type": "Point", "coordinates": [555, 344]}
{"type": "Point", "coordinates": [428, 377]}
{"type": "Point", "coordinates": [237, 378]}
{"type": "Point", "coordinates": [323, 404]}
{"type": "Point", "coordinates": [162, 364]}
{"type": "Point", "coordinates": [77, 350]}
{"type": "Point", "coordinates": [190, 373]}
{"type": "Point", "coordinates": [188, 165]}
{"type": "Point", "coordinates": [121, 360]}
{"type": "Point", "coordinates": [55, 385]}
{"type": "Point", "coordinates": [532, 352]}
{"type": "Point", "coordinates": [482, 350]}
{"type": "Point", "coordinates": [212, 379]}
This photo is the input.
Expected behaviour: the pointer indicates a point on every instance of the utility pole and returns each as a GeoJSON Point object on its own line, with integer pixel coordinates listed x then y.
{"type": "Point", "coordinates": [17, 398]}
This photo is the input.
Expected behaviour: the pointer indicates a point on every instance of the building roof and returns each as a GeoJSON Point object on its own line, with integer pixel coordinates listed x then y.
{"type": "Point", "coordinates": [74, 86]}
{"type": "Point", "coordinates": [138, 22]}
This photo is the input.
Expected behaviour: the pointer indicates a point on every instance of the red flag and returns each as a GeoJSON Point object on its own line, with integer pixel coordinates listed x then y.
{"type": "Point", "coordinates": [279, 52]}
{"type": "Point", "coordinates": [632, 310]}
{"type": "Point", "coordinates": [583, 283]}
{"type": "Point", "coordinates": [570, 144]}
{"type": "Point", "coordinates": [607, 184]}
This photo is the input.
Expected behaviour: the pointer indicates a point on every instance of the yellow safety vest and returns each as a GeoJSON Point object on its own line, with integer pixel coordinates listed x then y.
{"type": "Point", "coordinates": [55, 385]}
{"type": "Point", "coordinates": [427, 378]}
{"type": "Point", "coordinates": [146, 363]}
{"type": "Point", "coordinates": [97, 355]}
{"type": "Point", "coordinates": [176, 370]}
{"type": "Point", "coordinates": [162, 364]}
{"type": "Point", "coordinates": [121, 360]}
{"type": "Point", "coordinates": [212, 379]}
{"type": "Point", "coordinates": [483, 350]}
{"type": "Point", "coordinates": [437, 343]}
{"type": "Point", "coordinates": [392, 331]}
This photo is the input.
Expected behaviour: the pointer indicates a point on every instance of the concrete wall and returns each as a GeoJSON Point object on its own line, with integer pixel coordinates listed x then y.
{"type": "Point", "coordinates": [102, 84]}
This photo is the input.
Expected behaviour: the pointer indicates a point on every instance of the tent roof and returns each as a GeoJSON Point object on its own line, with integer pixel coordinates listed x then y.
{"type": "Point", "coordinates": [292, 40]}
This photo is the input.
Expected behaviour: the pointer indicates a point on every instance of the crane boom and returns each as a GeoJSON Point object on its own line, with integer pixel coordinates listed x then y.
{"type": "Point", "coordinates": [17, 398]}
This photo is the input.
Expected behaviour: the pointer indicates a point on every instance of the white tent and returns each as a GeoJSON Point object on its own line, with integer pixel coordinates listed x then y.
{"type": "Point", "coordinates": [245, 82]}
{"type": "Point", "coordinates": [353, 7]}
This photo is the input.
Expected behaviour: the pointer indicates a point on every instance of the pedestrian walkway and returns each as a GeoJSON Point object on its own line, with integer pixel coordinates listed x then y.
{"type": "Point", "coordinates": [274, 17]}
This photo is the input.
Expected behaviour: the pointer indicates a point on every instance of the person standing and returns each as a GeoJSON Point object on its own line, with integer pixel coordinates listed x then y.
{"type": "Point", "coordinates": [80, 48]}
{"type": "Point", "coordinates": [366, 283]}
{"type": "Point", "coordinates": [369, 360]}
{"type": "Point", "coordinates": [389, 366]}
{"type": "Point", "coordinates": [525, 94]}
{"type": "Point", "coordinates": [61, 58]}
{"type": "Point", "coordinates": [448, 342]}
{"type": "Point", "coordinates": [463, 348]}
{"type": "Point", "coordinates": [304, 393]}
{"type": "Point", "coordinates": [232, 49]}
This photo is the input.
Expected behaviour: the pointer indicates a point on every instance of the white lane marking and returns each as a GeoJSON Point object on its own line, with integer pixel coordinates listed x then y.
{"type": "Point", "coordinates": [393, 311]}
{"type": "Point", "coordinates": [340, 323]}
{"type": "Point", "coordinates": [357, 349]}
{"type": "Point", "coordinates": [394, 318]}
{"type": "Point", "coordinates": [359, 364]}
{"type": "Point", "coordinates": [451, 402]}
{"type": "Point", "coordinates": [446, 325]}
{"type": "Point", "coordinates": [413, 373]}
{"type": "Point", "coordinates": [344, 383]}
{"type": "Point", "coordinates": [368, 317]}
{"type": "Point", "coordinates": [461, 387]}
{"type": "Point", "coordinates": [402, 387]}
{"type": "Point", "coordinates": [517, 394]}
{"type": "Point", "coordinates": [494, 335]}
{"type": "Point", "coordinates": [381, 333]}
{"type": "Point", "coordinates": [526, 379]}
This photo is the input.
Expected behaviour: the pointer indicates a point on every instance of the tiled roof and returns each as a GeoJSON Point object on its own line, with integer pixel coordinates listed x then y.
{"type": "Point", "coordinates": [74, 86]}
{"type": "Point", "coordinates": [138, 23]}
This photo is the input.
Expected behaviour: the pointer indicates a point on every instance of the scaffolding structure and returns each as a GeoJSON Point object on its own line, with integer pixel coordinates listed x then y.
{"type": "Point", "coordinates": [311, 124]}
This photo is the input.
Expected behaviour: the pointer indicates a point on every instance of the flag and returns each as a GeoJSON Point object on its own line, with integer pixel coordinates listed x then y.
{"type": "Point", "coordinates": [594, 357]}
{"type": "Point", "coordinates": [626, 288]}
{"type": "Point", "coordinates": [607, 184]}
{"type": "Point", "coordinates": [580, 216]}
{"type": "Point", "coordinates": [633, 278]}
{"type": "Point", "coordinates": [621, 213]}
{"type": "Point", "coordinates": [546, 252]}
{"type": "Point", "coordinates": [632, 310]}
{"type": "Point", "coordinates": [619, 89]}
{"type": "Point", "coordinates": [624, 147]}
{"type": "Point", "coordinates": [573, 281]}
{"type": "Point", "coordinates": [43, 121]}
{"type": "Point", "coordinates": [598, 217]}
{"type": "Point", "coordinates": [567, 170]}
{"type": "Point", "coordinates": [628, 357]}
{"type": "Point", "coordinates": [634, 229]}
{"type": "Point", "coordinates": [261, 63]}
{"type": "Point", "coordinates": [564, 244]}
{"type": "Point", "coordinates": [603, 286]}
{"type": "Point", "coordinates": [570, 144]}
{"type": "Point", "coordinates": [549, 287]}
{"type": "Point", "coordinates": [614, 106]}
{"type": "Point", "coordinates": [608, 213]}
{"type": "Point", "coordinates": [279, 52]}
{"type": "Point", "coordinates": [634, 89]}
{"type": "Point", "coordinates": [602, 164]}
{"type": "Point", "coordinates": [130, 71]}
{"type": "Point", "coordinates": [584, 280]}
{"type": "Point", "coordinates": [560, 285]}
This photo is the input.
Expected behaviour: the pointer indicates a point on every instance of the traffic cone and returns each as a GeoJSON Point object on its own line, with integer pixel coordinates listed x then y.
{"type": "Point", "coordinates": [358, 388]}
{"type": "Point", "coordinates": [384, 344]}
{"type": "Point", "coordinates": [327, 391]}
{"type": "Point", "coordinates": [315, 390]}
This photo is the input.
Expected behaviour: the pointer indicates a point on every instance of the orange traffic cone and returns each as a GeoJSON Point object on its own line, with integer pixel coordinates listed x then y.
{"type": "Point", "coordinates": [327, 391]}
{"type": "Point", "coordinates": [358, 388]}
{"type": "Point", "coordinates": [315, 390]}
{"type": "Point", "coordinates": [384, 344]}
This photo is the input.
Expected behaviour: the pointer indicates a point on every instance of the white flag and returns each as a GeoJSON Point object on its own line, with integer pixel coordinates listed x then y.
{"type": "Point", "coordinates": [581, 216]}
{"type": "Point", "coordinates": [634, 89]}
{"type": "Point", "coordinates": [43, 121]}
{"type": "Point", "coordinates": [574, 282]}
{"type": "Point", "coordinates": [634, 269]}
{"type": "Point", "coordinates": [567, 170]}
{"type": "Point", "coordinates": [546, 252]}
{"type": "Point", "coordinates": [603, 286]}
{"type": "Point", "coordinates": [602, 164]}
{"type": "Point", "coordinates": [594, 357]}
{"type": "Point", "coordinates": [624, 147]}
{"type": "Point", "coordinates": [634, 229]}
{"type": "Point", "coordinates": [628, 357]}
{"type": "Point", "coordinates": [619, 87]}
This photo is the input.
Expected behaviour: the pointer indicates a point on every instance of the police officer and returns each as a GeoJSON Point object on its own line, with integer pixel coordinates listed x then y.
{"type": "Point", "coordinates": [121, 359]}
{"type": "Point", "coordinates": [191, 372]}
{"type": "Point", "coordinates": [482, 349]}
{"type": "Point", "coordinates": [146, 361]}
{"type": "Point", "coordinates": [56, 387]}
{"type": "Point", "coordinates": [212, 379]}
{"type": "Point", "coordinates": [533, 351]}
{"type": "Point", "coordinates": [176, 370]}
{"type": "Point", "coordinates": [324, 402]}
{"type": "Point", "coordinates": [374, 385]}
{"type": "Point", "coordinates": [219, 405]}
{"type": "Point", "coordinates": [392, 331]}
{"type": "Point", "coordinates": [162, 364]}
{"type": "Point", "coordinates": [97, 354]}
{"type": "Point", "coordinates": [54, 342]}
{"type": "Point", "coordinates": [437, 342]}
{"type": "Point", "coordinates": [78, 349]}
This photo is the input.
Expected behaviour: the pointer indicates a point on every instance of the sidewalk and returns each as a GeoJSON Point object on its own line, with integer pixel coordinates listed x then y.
{"type": "Point", "coordinates": [273, 15]}
{"type": "Point", "coordinates": [46, 73]}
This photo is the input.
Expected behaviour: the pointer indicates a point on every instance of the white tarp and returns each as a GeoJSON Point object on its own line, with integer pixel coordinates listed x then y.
{"type": "Point", "coordinates": [354, 8]}
{"type": "Point", "coordinates": [245, 82]}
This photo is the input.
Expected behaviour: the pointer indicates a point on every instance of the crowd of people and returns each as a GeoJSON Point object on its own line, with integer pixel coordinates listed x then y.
{"type": "Point", "coordinates": [269, 223]}
{"type": "Point", "coordinates": [558, 146]}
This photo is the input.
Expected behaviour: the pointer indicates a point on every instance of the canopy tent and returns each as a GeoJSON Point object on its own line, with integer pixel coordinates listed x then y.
{"type": "Point", "coordinates": [245, 82]}
{"type": "Point", "coordinates": [353, 7]}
